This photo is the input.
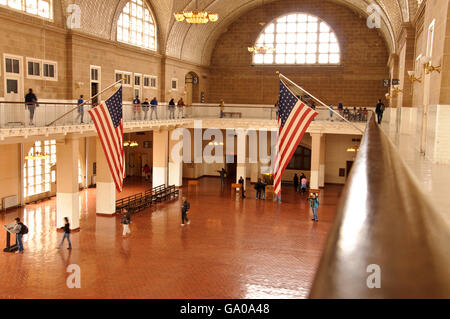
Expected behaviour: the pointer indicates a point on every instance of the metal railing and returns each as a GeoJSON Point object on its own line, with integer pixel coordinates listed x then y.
{"type": "Point", "coordinates": [387, 240]}
{"type": "Point", "coordinates": [17, 114]}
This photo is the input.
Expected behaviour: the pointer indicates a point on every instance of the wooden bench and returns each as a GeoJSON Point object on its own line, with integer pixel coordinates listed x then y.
{"type": "Point", "coordinates": [232, 114]}
{"type": "Point", "coordinates": [194, 182]}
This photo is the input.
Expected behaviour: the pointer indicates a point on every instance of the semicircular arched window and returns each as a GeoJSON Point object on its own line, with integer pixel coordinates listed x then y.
{"type": "Point", "coordinates": [297, 38]}
{"type": "Point", "coordinates": [136, 25]}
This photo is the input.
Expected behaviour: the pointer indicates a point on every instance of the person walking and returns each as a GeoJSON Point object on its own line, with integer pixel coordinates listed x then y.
{"type": "Point", "coordinates": [80, 109]}
{"type": "Point", "coordinates": [241, 181]}
{"type": "Point", "coordinates": [260, 189]}
{"type": "Point", "coordinates": [172, 109]}
{"type": "Point", "coordinates": [19, 229]}
{"type": "Point", "coordinates": [154, 105]}
{"type": "Point", "coordinates": [222, 173]}
{"type": "Point", "coordinates": [137, 108]}
{"type": "Point", "coordinates": [145, 108]}
{"type": "Point", "coordinates": [314, 202]}
{"type": "Point", "coordinates": [180, 107]}
{"type": "Point", "coordinates": [379, 110]}
{"type": "Point", "coordinates": [126, 221]}
{"type": "Point", "coordinates": [296, 182]}
{"type": "Point", "coordinates": [146, 170]}
{"type": "Point", "coordinates": [184, 210]}
{"type": "Point", "coordinates": [66, 229]}
{"type": "Point", "coordinates": [304, 183]}
{"type": "Point", "coordinates": [30, 103]}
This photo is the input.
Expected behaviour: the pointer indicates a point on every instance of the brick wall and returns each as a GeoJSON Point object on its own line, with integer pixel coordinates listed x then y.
{"type": "Point", "coordinates": [357, 81]}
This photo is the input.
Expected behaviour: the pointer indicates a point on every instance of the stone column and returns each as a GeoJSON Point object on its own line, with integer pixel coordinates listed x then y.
{"type": "Point", "coordinates": [175, 167]}
{"type": "Point", "coordinates": [315, 160]}
{"type": "Point", "coordinates": [241, 169]}
{"type": "Point", "coordinates": [106, 189]}
{"type": "Point", "coordinates": [322, 161]}
{"type": "Point", "coordinates": [160, 157]}
{"type": "Point", "coordinates": [67, 197]}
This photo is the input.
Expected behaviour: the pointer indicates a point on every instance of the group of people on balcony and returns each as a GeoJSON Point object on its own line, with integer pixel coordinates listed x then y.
{"type": "Point", "coordinates": [145, 106]}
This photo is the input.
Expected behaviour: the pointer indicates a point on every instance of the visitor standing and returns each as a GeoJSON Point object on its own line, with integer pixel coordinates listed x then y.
{"type": "Point", "coordinates": [314, 202]}
{"type": "Point", "coordinates": [126, 221]}
{"type": "Point", "coordinates": [30, 103]}
{"type": "Point", "coordinates": [172, 109]}
{"type": "Point", "coordinates": [146, 170]}
{"type": "Point", "coordinates": [154, 104]}
{"type": "Point", "coordinates": [379, 110]}
{"type": "Point", "coordinates": [241, 181]}
{"type": "Point", "coordinates": [180, 107]}
{"type": "Point", "coordinates": [184, 210]}
{"type": "Point", "coordinates": [66, 229]}
{"type": "Point", "coordinates": [296, 182]}
{"type": "Point", "coordinates": [137, 108]}
{"type": "Point", "coordinates": [222, 108]}
{"type": "Point", "coordinates": [80, 109]}
{"type": "Point", "coordinates": [222, 173]}
{"type": "Point", "coordinates": [19, 229]}
{"type": "Point", "coordinates": [145, 108]}
{"type": "Point", "coordinates": [303, 184]}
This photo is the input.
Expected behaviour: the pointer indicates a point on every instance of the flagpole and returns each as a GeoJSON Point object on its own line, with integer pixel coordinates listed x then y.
{"type": "Point", "coordinates": [323, 104]}
{"type": "Point", "coordinates": [82, 104]}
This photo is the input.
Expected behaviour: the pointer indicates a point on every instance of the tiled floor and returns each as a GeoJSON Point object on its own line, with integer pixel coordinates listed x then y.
{"type": "Point", "coordinates": [231, 249]}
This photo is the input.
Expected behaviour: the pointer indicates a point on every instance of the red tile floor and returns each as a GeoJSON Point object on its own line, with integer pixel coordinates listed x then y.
{"type": "Point", "coordinates": [233, 248]}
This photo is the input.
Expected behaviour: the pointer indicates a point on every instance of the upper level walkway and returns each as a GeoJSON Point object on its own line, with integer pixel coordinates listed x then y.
{"type": "Point", "coordinates": [14, 120]}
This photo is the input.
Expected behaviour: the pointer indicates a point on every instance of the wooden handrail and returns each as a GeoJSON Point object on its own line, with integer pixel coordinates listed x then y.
{"type": "Point", "coordinates": [384, 219]}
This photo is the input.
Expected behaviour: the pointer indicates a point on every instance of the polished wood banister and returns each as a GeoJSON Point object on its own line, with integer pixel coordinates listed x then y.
{"type": "Point", "coordinates": [384, 219]}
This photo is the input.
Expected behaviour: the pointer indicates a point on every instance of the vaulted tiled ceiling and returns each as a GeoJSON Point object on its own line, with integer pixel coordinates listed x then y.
{"type": "Point", "coordinates": [196, 43]}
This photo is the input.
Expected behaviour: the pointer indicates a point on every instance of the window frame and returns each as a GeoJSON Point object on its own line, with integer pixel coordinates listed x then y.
{"type": "Point", "coordinates": [55, 70]}
{"type": "Point", "coordinates": [172, 89]}
{"type": "Point", "coordinates": [36, 15]}
{"type": "Point", "coordinates": [145, 6]}
{"type": "Point", "coordinates": [297, 32]}
{"type": "Point", "coordinates": [41, 70]}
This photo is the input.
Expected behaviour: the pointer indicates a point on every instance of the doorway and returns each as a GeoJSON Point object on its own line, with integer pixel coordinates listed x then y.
{"type": "Point", "coordinates": [231, 167]}
{"type": "Point", "coordinates": [94, 91]}
{"type": "Point", "coordinates": [192, 88]}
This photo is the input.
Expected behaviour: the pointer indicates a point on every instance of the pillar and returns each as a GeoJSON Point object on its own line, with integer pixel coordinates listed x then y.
{"type": "Point", "coordinates": [322, 161]}
{"type": "Point", "coordinates": [106, 189]}
{"type": "Point", "coordinates": [160, 157]}
{"type": "Point", "coordinates": [67, 197]}
{"type": "Point", "coordinates": [175, 168]}
{"type": "Point", "coordinates": [315, 160]}
{"type": "Point", "coordinates": [241, 168]}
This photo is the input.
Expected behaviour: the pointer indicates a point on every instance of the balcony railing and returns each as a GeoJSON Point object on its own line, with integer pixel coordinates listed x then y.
{"type": "Point", "coordinates": [17, 114]}
{"type": "Point", "coordinates": [387, 240]}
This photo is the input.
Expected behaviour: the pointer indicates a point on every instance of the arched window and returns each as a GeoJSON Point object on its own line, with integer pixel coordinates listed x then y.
{"type": "Point", "coordinates": [40, 8]}
{"type": "Point", "coordinates": [136, 25]}
{"type": "Point", "coordinates": [297, 39]}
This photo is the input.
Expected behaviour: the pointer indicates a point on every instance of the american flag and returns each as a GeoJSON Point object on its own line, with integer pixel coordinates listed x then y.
{"type": "Point", "coordinates": [294, 118]}
{"type": "Point", "coordinates": [109, 124]}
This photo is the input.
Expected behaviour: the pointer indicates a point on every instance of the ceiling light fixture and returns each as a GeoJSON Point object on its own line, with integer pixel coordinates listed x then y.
{"type": "Point", "coordinates": [196, 16]}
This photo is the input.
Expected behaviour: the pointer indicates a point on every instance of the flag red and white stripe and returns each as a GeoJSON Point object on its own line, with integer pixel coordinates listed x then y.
{"type": "Point", "coordinates": [293, 121]}
{"type": "Point", "coordinates": [108, 121]}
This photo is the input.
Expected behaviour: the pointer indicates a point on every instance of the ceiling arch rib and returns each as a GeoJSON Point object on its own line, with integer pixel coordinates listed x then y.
{"type": "Point", "coordinates": [184, 40]}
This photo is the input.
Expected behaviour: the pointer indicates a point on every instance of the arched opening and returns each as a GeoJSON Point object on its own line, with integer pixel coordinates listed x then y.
{"type": "Point", "coordinates": [192, 88]}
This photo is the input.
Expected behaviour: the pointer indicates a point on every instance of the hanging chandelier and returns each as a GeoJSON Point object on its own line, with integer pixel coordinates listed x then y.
{"type": "Point", "coordinates": [36, 156]}
{"type": "Point", "coordinates": [260, 49]}
{"type": "Point", "coordinates": [130, 143]}
{"type": "Point", "coordinates": [196, 16]}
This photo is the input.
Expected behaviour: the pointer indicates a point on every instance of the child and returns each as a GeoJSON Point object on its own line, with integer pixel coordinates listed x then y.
{"type": "Point", "coordinates": [125, 221]}
{"type": "Point", "coordinates": [314, 202]}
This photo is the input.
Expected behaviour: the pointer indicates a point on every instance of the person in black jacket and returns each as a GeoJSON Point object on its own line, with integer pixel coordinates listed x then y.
{"type": "Point", "coordinates": [241, 181]}
{"type": "Point", "coordinates": [260, 189]}
{"type": "Point", "coordinates": [66, 229]}
{"type": "Point", "coordinates": [184, 209]}
{"type": "Point", "coordinates": [30, 103]}
{"type": "Point", "coordinates": [379, 110]}
{"type": "Point", "coordinates": [296, 182]}
{"type": "Point", "coordinates": [19, 230]}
